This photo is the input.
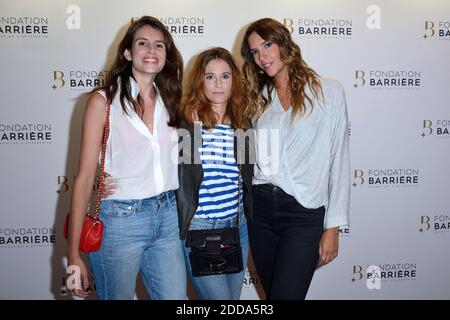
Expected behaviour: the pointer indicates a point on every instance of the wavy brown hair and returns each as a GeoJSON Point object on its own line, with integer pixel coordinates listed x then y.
{"type": "Point", "coordinates": [195, 101]}
{"type": "Point", "coordinates": [168, 81]}
{"type": "Point", "coordinates": [300, 75]}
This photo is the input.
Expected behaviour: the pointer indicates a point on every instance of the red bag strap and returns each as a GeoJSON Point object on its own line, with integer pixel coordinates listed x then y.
{"type": "Point", "coordinates": [102, 162]}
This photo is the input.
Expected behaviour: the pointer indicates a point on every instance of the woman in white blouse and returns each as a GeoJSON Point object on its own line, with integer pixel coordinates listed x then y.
{"type": "Point", "coordinates": [302, 178]}
{"type": "Point", "coordinates": [140, 217]}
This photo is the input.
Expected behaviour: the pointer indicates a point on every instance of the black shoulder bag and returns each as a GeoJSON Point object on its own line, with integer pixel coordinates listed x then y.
{"type": "Point", "coordinates": [216, 251]}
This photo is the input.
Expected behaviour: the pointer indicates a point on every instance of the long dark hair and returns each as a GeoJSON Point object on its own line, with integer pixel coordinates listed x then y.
{"type": "Point", "coordinates": [168, 81]}
{"type": "Point", "coordinates": [196, 102]}
{"type": "Point", "coordinates": [300, 74]}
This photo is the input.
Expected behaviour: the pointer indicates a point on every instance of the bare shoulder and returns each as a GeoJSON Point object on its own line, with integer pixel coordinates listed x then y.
{"type": "Point", "coordinates": [95, 112]}
{"type": "Point", "coordinates": [96, 103]}
{"type": "Point", "coordinates": [97, 98]}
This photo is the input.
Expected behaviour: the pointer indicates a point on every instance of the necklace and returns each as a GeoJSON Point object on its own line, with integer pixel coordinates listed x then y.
{"type": "Point", "coordinates": [148, 115]}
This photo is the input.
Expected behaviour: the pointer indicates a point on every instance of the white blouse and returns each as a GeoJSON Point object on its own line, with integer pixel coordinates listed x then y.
{"type": "Point", "coordinates": [140, 161]}
{"type": "Point", "coordinates": [308, 158]}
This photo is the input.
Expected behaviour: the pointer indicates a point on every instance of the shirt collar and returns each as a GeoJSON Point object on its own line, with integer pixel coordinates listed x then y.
{"type": "Point", "coordinates": [135, 88]}
{"type": "Point", "coordinates": [134, 118]}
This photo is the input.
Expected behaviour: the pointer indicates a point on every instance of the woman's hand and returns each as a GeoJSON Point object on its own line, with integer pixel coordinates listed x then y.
{"type": "Point", "coordinates": [82, 286]}
{"type": "Point", "coordinates": [328, 246]}
{"type": "Point", "coordinates": [109, 185]}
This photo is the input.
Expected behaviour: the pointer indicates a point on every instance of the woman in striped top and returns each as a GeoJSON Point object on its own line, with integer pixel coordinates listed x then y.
{"type": "Point", "coordinates": [215, 181]}
{"type": "Point", "coordinates": [218, 196]}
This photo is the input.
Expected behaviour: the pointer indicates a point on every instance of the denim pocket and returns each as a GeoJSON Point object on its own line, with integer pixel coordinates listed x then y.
{"type": "Point", "coordinates": [242, 217]}
{"type": "Point", "coordinates": [173, 200]}
{"type": "Point", "coordinates": [121, 208]}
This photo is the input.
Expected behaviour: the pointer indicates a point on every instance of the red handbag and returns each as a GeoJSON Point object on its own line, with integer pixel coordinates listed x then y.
{"type": "Point", "coordinates": [92, 231]}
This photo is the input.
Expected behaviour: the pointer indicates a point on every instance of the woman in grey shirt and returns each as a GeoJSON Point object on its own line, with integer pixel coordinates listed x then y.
{"type": "Point", "coordinates": [302, 177]}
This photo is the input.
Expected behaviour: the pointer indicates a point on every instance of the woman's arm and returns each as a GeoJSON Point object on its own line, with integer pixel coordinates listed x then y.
{"type": "Point", "coordinates": [93, 126]}
{"type": "Point", "coordinates": [337, 213]}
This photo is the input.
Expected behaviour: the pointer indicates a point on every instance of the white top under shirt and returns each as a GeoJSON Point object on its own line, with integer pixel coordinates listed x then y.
{"type": "Point", "coordinates": [309, 158]}
{"type": "Point", "coordinates": [138, 160]}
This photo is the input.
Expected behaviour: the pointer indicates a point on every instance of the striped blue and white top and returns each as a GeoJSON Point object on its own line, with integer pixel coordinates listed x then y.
{"type": "Point", "coordinates": [218, 196]}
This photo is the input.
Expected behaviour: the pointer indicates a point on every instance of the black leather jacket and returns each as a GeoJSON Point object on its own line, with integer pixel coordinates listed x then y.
{"type": "Point", "coordinates": [190, 174]}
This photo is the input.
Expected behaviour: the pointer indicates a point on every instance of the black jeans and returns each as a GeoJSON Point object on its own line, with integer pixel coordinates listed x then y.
{"type": "Point", "coordinates": [284, 238]}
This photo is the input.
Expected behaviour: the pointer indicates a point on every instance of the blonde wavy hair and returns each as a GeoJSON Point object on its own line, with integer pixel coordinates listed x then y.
{"type": "Point", "coordinates": [300, 75]}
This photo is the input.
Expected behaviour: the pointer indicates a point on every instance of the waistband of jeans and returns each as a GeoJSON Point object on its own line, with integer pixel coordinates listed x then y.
{"type": "Point", "coordinates": [231, 218]}
{"type": "Point", "coordinates": [166, 195]}
{"type": "Point", "coordinates": [161, 196]}
{"type": "Point", "coordinates": [271, 187]}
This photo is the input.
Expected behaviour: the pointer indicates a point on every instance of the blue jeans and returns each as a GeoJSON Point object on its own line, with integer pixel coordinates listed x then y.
{"type": "Point", "coordinates": [140, 236]}
{"type": "Point", "coordinates": [223, 286]}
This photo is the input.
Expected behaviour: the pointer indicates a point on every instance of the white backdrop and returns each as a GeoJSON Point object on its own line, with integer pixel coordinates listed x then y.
{"type": "Point", "coordinates": [392, 58]}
